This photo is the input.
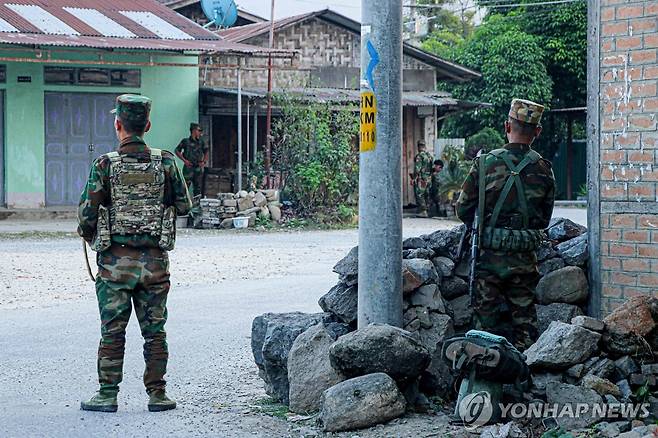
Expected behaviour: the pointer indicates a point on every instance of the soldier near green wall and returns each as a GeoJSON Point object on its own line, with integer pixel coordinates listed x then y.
{"type": "Point", "coordinates": [513, 190]}
{"type": "Point", "coordinates": [435, 188]}
{"type": "Point", "coordinates": [194, 153]}
{"type": "Point", "coordinates": [127, 213]}
{"type": "Point", "coordinates": [422, 176]}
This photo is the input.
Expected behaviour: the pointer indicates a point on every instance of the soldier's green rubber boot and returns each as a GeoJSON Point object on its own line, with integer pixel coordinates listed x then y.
{"type": "Point", "coordinates": [103, 401]}
{"type": "Point", "coordinates": [158, 401]}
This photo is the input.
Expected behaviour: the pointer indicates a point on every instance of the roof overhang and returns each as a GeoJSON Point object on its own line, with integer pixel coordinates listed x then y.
{"type": "Point", "coordinates": [186, 47]}
{"type": "Point", "coordinates": [339, 96]}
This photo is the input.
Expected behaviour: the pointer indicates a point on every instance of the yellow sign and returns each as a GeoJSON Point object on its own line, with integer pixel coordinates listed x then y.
{"type": "Point", "coordinates": [368, 141]}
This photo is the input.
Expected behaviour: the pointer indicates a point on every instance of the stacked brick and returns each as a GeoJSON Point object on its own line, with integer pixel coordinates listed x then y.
{"type": "Point", "coordinates": [628, 150]}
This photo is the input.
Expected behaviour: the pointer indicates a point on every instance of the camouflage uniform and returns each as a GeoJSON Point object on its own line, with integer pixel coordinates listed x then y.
{"type": "Point", "coordinates": [423, 163]}
{"type": "Point", "coordinates": [134, 270]}
{"type": "Point", "coordinates": [506, 278]}
{"type": "Point", "coordinates": [435, 195]}
{"type": "Point", "coordinates": [194, 151]}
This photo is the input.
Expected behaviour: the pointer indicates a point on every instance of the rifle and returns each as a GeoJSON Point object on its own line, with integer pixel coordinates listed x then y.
{"type": "Point", "coordinates": [475, 250]}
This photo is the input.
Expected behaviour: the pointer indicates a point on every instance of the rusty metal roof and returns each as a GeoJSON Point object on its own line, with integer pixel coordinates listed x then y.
{"type": "Point", "coordinates": [116, 24]}
{"type": "Point", "coordinates": [439, 99]}
{"type": "Point", "coordinates": [446, 70]}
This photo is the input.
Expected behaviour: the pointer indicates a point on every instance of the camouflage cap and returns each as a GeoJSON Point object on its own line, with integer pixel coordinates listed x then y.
{"type": "Point", "coordinates": [194, 126]}
{"type": "Point", "coordinates": [421, 144]}
{"type": "Point", "coordinates": [526, 111]}
{"type": "Point", "coordinates": [132, 107]}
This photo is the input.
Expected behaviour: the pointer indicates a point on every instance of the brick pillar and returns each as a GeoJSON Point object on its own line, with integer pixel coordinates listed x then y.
{"type": "Point", "coordinates": [623, 162]}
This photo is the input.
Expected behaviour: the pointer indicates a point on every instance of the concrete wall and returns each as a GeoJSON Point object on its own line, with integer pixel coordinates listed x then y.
{"type": "Point", "coordinates": [624, 138]}
{"type": "Point", "coordinates": [174, 91]}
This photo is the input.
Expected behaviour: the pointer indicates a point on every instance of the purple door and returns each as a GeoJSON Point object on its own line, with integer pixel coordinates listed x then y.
{"type": "Point", "coordinates": [79, 128]}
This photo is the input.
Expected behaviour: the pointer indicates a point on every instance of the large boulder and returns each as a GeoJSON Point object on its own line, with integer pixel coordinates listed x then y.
{"type": "Point", "coordinates": [561, 229]}
{"type": "Point", "coordinates": [445, 242]}
{"type": "Point", "coordinates": [416, 272]}
{"type": "Point", "coordinates": [444, 266]}
{"type": "Point", "coordinates": [555, 312]}
{"type": "Point", "coordinates": [574, 251]}
{"type": "Point", "coordinates": [348, 266]}
{"type": "Point", "coordinates": [453, 287]}
{"type": "Point", "coordinates": [561, 346]}
{"type": "Point", "coordinates": [361, 402]}
{"type": "Point", "coordinates": [550, 265]}
{"type": "Point", "coordinates": [272, 336]}
{"type": "Point", "coordinates": [341, 300]}
{"type": "Point", "coordinates": [563, 394]}
{"type": "Point", "coordinates": [462, 310]}
{"type": "Point", "coordinates": [309, 370]}
{"type": "Point", "coordinates": [627, 327]}
{"type": "Point", "coordinates": [566, 285]}
{"type": "Point", "coordinates": [379, 348]}
{"type": "Point", "coordinates": [428, 296]}
{"type": "Point", "coordinates": [414, 243]}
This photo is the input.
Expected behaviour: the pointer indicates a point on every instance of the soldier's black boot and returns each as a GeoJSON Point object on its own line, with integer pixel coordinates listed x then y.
{"type": "Point", "coordinates": [158, 401]}
{"type": "Point", "coordinates": [103, 401]}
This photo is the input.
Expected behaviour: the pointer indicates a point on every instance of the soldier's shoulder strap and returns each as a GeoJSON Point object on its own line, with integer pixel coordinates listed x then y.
{"type": "Point", "coordinates": [514, 179]}
{"type": "Point", "coordinates": [156, 154]}
{"type": "Point", "coordinates": [482, 187]}
{"type": "Point", "coordinates": [114, 158]}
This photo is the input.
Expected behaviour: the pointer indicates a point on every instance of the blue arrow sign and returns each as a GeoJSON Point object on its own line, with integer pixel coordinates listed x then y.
{"type": "Point", "coordinates": [374, 61]}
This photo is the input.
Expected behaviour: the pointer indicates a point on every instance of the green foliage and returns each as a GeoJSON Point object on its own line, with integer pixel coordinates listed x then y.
{"type": "Point", "coordinates": [447, 29]}
{"type": "Point", "coordinates": [315, 150]}
{"type": "Point", "coordinates": [454, 172]}
{"type": "Point", "coordinates": [642, 393]}
{"type": "Point", "coordinates": [269, 406]}
{"type": "Point", "coordinates": [557, 433]}
{"type": "Point", "coordinates": [512, 63]}
{"type": "Point", "coordinates": [486, 139]}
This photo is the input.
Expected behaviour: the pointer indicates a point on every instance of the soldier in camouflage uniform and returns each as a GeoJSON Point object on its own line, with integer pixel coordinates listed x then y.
{"type": "Point", "coordinates": [422, 178]}
{"type": "Point", "coordinates": [127, 213]}
{"type": "Point", "coordinates": [194, 153]}
{"type": "Point", "coordinates": [514, 189]}
{"type": "Point", "coordinates": [435, 186]}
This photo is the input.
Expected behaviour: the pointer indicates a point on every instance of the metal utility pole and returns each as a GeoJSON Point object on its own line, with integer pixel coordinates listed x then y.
{"type": "Point", "coordinates": [380, 179]}
{"type": "Point", "coordinates": [268, 121]}
{"type": "Point", "coordinates": [239, 169]}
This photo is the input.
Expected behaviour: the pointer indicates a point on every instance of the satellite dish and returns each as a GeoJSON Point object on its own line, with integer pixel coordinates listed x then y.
{"type": "Point", "coordinates": [221, 13]}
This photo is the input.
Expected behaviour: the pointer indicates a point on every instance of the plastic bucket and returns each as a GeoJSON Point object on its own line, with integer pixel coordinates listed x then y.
{"type": "Point", "coordinates": [240, 222]}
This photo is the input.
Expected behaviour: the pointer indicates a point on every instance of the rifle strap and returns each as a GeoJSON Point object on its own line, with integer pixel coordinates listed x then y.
{"type": "Point", "coordinates": [482, 186]}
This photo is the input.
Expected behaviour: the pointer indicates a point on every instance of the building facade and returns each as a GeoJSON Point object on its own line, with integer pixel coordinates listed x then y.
{"type": "Point", "coordinates": [623, 150]}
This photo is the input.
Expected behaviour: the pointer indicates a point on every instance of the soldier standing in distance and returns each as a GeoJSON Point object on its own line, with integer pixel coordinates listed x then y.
{"type": "Point", "coordinates": [435, 187]}
{"type": "Point", "coordinates": [422, 178]}
{"type": "Point", "coordinates": [194, 153]}
{"type": "Point", "coordinates": [126, 212]}
{"type": "Point", "coordinates": [513, 190]}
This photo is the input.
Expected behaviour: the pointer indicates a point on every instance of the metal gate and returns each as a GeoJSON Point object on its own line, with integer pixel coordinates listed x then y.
{"type": "Point", "coordinates": [79, 128]}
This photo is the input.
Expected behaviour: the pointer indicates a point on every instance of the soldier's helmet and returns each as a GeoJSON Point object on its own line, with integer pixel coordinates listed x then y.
{"type": "Point", "coordinates": [133, 108]}
{"type": "Point", "coordinates": [526, 111]}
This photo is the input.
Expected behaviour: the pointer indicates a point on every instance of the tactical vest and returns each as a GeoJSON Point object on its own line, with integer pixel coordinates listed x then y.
{"type": "Point", "coordinates": [505, 239]}
{"type": "Point", "coordinates": [137, 192]}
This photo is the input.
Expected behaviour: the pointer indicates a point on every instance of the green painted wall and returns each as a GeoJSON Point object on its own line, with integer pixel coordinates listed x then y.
{"type": "Point", "coordinates": [174, 90]}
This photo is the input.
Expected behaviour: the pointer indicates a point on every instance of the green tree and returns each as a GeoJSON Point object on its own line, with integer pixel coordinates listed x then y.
{"type": "Point", "coordinates": [512, 64]}
{"type": "Point", "coordinates": [449, 26]}
{"type": "Point", "coordinates": [487, 139]}
{"type": "Point", "coordinates": [315, 151]}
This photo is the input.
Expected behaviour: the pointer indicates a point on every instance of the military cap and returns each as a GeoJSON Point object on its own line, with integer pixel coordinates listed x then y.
{"type": "Point", "coordinates": [526, 111]}
{"type": "Point", "coordinates": [194, 126]}
{"type": "Point", "coordinates": [132, 107]}
{"type": "Point", "coordinates": [421, 143]}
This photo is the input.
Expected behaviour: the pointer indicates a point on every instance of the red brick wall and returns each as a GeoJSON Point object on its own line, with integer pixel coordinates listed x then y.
{"type": "Point", "coordinates": [628, 150]}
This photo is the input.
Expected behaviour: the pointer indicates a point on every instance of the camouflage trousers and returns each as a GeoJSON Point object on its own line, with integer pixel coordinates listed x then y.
{"type": "Point", "coordinates": [130, 277]}
{"type": "Point", "coordinates": [506, 298]}
{"type": "Point", "coordinates": [193, 177]}
{"type": "Point", "coordinates": [421, 192]}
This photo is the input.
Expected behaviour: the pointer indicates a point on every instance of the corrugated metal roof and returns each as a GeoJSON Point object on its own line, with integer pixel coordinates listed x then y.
{"type": "Point", "coordinates": [110, 24]}
{"type": "Point", "coordinates": [447, 70]}
{"type": "Point", "coordinates": [343, 96]}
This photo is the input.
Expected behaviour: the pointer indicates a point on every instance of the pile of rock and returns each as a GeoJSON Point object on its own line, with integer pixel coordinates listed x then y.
{"type": "Point", "coordinates": [302, 358]}
{"type": "Point", "coordinates": [599, 362]}
{"type": "Point", "coordinates": [219, 213]}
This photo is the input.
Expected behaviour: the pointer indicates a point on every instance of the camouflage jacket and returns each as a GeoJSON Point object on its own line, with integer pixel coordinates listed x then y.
{"type": "Point", "coordinates": [435, 184]}
{"type": "Point", "coordinates": [423, 163]}
{"type": "Point", "coordinates": [193, 150]}
{"type": "Point", "coordinates": [97, 192]}
{"type": "Point", "coordinates": [539, 188]}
